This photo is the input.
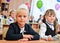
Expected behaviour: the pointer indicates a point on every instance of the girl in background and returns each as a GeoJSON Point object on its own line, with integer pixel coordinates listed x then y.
{"type": "Point", "coordinates": [20, 29]}
{"type": "Point", "coordinates": [49, 26]}
{"type": "Point", "coordinates": [11, 17]}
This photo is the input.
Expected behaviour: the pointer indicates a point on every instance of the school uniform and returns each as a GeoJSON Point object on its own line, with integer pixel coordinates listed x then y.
{"type": "Point", "coordinates": [15, 33]}
{"type": "Point", "coordinates": [10, 20]}
{"type": "Point", "coordinates": [47, 29]}
{"type": "Point", "coordinates": [3, 16]}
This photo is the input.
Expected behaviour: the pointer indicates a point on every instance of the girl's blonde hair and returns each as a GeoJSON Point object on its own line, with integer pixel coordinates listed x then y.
{"type": "Point", "coordinates": [21, 10]}
{"type": "Point", "coordinates": [11, 12]}
{"type": "Point", "coordinates": [51, 12]}
{"type": "Point", "coordinates": [23, 7]}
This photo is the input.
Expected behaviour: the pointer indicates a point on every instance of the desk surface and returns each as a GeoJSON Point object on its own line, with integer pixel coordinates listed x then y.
{"type": "Point", "coordinates": [36, 41]}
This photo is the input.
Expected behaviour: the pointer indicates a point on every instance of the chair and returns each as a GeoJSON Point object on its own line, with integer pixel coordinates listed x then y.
{"type": "Point", "coordinates": [1, 32]}
{"type": "Point", "coordinates": [5, 28]}
{"type": "Point", "coordinates": [35, 27]}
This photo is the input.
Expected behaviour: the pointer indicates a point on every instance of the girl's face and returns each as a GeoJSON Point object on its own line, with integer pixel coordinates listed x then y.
{"type": "Point", "coordinates": [12, 14]}
{"type": "Point", "coordinates": [50, 18]}
{"type": "Point", "coordinates": [22, 17]}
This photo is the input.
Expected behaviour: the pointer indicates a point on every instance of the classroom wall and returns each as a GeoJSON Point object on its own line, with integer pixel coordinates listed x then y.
{"type": "Point", "coordinates": [47, 4]}
{"type": "Point", "coordinates": [14, 4]}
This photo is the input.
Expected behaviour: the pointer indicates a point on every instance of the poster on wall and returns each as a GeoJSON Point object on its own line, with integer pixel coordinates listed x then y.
{"type": "Point", "coordinates": [40, 6]}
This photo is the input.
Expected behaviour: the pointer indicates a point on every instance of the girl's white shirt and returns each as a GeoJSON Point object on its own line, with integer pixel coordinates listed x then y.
{"type": "Point", "coordinates": [43, 30]}
{"type": "Point", "coordinates": [10, 20]}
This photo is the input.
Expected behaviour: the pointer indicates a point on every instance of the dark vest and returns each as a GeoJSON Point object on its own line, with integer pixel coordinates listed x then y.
{"type": "Point", "coordinates": [49, 31]}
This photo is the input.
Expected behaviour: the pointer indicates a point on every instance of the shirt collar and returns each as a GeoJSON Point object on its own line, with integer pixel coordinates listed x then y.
{"type": "Point", "coordinates": [52, 24]}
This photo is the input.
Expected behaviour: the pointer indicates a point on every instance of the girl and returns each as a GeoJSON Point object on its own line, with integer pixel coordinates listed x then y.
{"type": "Point", "coordinates": [49, 26]}
{"type": "Point", "coordinates": [20, 29]}
{"type": "Point", "coordinates": [11, 17]}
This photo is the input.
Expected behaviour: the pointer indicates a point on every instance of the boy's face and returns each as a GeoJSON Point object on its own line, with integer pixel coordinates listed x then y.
{"type": "Point", "coordinates": [50, 18]}
{"type": "Point", "coordinates": [22, 17]}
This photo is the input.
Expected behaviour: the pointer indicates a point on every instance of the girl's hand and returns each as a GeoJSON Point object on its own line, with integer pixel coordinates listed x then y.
{"type": "Point", "coordinates": [28, 36]}
{"type": "Point", "coordinates": [50, 38]}
{"type": "Point", "coordinates": [24, 39]}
